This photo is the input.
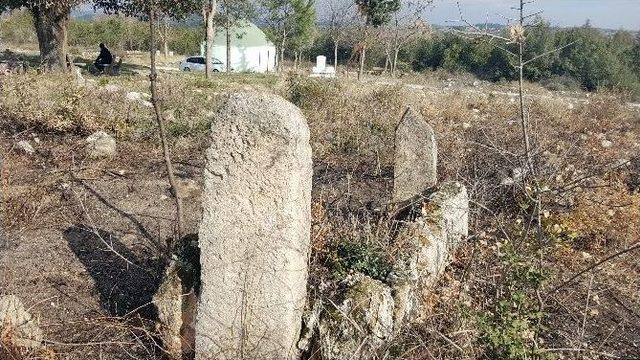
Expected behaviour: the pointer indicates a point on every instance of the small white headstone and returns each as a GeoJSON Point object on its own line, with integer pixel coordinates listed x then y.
{"type": "Point", "coordinates": [321, 62]}
{"type": "Point", "coordinates": [321, 69]}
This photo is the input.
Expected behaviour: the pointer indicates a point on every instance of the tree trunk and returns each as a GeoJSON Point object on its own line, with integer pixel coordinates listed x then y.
{"type": "Point", "coordinates": [51, 29]}
{"type": "Point", "coordinates": [209, 12]}
{"type": "Point", "coordinates": [282, 44]}
{"type": "Point", "coordinates": [228, 40]}
{"type": "Point", "coordinates": [335, 56]}
{"type": "Point", "coordinates": [394, 66]}
{"type": "Point", "coordinates": [153, 78]}
{"type": "Point", "coordinates": [363, 53]}
{"type": "Point", "coordinates": [387, 60]}
{"type": "Point", "coordinates": [165, 38]}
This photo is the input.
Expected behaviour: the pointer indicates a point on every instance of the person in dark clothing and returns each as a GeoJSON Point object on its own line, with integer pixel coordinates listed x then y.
{"type": "Point", "coordinates": [105, 58]}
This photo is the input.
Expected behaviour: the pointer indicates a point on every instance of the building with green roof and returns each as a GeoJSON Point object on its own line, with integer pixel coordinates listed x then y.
{"type": "Point", "coordinates": [250, 48]}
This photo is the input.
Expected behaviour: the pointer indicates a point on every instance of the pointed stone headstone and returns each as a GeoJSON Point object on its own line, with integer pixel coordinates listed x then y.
{"type": "Point", "coordinates": [416, 157]}
{"type": "Point", "coordinates": [255, 232]}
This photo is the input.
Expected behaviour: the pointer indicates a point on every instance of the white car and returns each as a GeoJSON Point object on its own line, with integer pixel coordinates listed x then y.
{"type": "Point", "coordinates": [197, 63]}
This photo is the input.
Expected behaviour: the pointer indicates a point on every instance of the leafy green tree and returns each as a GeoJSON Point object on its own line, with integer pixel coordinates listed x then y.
{"type": "Point", "coordinates": [51, 19]}
{"type": "Point", "coordinates": [285, 19]}
{"type": "Point", "coordinates": [635, 54]}
{"type": "Point", "coordinates": [110, 30]}
{"type": "Point", "coordinates": [303, 29]}
{"type": "Point", "coordinates": [589, 60]}
{"type": "Point", "coordinates": [540, 39]}
{"type": "Point", "coordinates": [377, 12]}
{"type": "Point", "coordinates": [374, 13]}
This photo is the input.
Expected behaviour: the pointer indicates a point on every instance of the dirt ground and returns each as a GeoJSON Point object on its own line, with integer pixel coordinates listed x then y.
{"type": "Point", "coordinates": [82, 247]}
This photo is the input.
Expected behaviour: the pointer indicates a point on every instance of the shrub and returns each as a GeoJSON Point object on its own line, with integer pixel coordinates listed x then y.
{"type": "Point", "coordinates": [510, 325]}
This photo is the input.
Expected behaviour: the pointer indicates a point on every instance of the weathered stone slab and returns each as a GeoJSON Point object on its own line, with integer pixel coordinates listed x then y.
{"type": "Point", "coordinates": [416, 157]}
{"type": "Point", "coordinates": [255, 232]}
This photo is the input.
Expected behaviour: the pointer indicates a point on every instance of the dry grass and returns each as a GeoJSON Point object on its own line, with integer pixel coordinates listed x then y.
{"type": "Point", "coordinates": [591, 206]}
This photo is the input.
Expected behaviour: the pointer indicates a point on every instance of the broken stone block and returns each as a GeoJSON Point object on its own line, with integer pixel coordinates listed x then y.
{"type": "Point", "coordinates": [15, 318]}
{"type": "Point", "coordinates": [441, 223]}
{"type": "Point", "coordinates": [176, 299]}
{"type": "Point", "coordinates": [360, 324]}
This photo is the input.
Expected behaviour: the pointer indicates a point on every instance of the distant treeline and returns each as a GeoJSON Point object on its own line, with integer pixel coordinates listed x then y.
{"type": "Point", "coordinates": [595, 60]}
{"type": "Point", "coordinates": [119, 33]}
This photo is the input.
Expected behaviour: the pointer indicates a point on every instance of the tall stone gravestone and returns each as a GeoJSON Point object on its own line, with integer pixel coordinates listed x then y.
{"type": "Point", "coordinates": [255, 232]}
{"type": "Point", "coordinates": [416, 157]}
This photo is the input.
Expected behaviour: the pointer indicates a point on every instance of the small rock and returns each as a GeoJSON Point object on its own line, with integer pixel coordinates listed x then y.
{"type": "Point", "coordinates": [169, 116]}
{"type": "Point", "coordinates": [367, 326]}
{"type": "Point", "coordinates": [14, 316]}
{"type": "Point", "coordinates": [466, 125]}
{"type": "Point", "coordinates": [112, 88]}
{"type": "Point", "coordinates": [586, 255]}
{"type": "Point", "coordinates": [80, 80]}
{"type": "Point", "coordinates": [517, 173]}
{"type": "Point", "coordinates": [606, 144]}
{"type": "Point", "coordinates": [101, 144]}
{"type": "Point", "coordinates": [26, 147]}
{"type": "Point", "coordinates": [133, 96]}
{"type": "Point", "coordinates": [128, 238]}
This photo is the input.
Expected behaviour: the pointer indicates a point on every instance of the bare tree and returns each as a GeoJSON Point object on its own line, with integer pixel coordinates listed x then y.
{"type": "Point", "coordinates": [517, 38]}
{"type": "Point", "coordinates": [164, 32]}
{"type": "Point", "coordinates": [153, 80]}
{"type": "Point", "coordinates": [209, 11]}
{"type": "Point", "coordinates": [408, 24]}
{"type": "Point", "coordinates": [341, 15]}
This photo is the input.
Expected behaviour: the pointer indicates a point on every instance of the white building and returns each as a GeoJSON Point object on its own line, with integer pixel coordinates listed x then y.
{"type": "Point", "coordinates": [250, 49]}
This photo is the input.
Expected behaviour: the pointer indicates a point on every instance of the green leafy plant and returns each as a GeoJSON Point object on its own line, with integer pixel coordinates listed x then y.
{"type": "Point", "coordinates": [360, 257]}
{"type": "Point", "coordinates": [514, 322]}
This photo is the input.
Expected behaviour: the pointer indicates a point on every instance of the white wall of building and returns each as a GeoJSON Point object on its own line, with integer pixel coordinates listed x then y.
{"type": "Point", "coordinates": [252, 59]}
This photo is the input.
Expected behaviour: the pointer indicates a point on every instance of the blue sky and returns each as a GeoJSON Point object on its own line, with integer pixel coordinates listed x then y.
{"type": "Point", "coordinates": [612, 14]}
